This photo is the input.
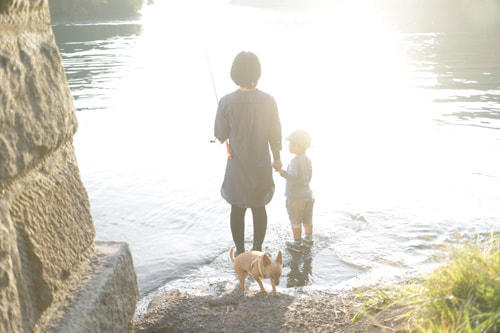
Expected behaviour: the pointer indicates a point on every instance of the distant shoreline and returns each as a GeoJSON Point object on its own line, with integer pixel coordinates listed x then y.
{"type": "Point", "coordinates": [62, 10]}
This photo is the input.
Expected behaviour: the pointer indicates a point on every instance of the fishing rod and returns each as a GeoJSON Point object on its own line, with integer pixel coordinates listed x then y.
{"type": "Point", "coordinates": [212, 140]}
{"type": "Point", "coordinates": [230, 156]}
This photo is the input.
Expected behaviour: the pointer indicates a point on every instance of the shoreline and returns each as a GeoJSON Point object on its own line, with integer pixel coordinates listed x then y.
{"type": "Point", "coordinates": [461, 293]}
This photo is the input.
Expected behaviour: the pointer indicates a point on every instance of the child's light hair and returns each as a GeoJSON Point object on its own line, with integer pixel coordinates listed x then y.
{"type": "Point", "coordinates": [300, 137]}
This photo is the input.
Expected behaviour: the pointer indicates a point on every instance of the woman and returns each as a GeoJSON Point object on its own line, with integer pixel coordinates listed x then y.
{"type": "Point", "coordinates": [249, 118]}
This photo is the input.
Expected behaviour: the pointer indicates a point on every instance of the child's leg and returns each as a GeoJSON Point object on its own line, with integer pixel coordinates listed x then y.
{"type": "Point", "coordinates": [293, 209]}
{"type": "Point", "coordinates": [296, 245]}
{"type": "Point", "coordinates": [297, 233]}
{"type": "Point", "coordinates": [294, 213]}
{"type": "Point", "coordinates": [308, 225]}
{"type": "Point", "coordinates": [308, 237]}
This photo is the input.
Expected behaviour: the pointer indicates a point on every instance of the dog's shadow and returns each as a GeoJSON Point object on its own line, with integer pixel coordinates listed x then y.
{"type": "Point", "coordinates": [251, 286]}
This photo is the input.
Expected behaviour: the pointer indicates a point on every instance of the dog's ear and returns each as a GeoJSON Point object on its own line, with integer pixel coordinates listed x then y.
{"type": "Point", "coordinates": [278, 258]}
{"type": "Point", "coordinates": [266, 259]}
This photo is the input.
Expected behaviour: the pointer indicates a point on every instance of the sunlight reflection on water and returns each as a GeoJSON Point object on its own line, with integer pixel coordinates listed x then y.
{"type": "Point", "coordinates": [405, 137]}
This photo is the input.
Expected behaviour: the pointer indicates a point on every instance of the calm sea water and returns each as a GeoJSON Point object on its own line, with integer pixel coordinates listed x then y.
{"type": "Point", "coordinates": [405, 126]}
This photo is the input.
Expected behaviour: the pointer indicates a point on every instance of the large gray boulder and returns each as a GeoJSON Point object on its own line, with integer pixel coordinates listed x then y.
{"type": "Point", "coordinates": [48, 258]}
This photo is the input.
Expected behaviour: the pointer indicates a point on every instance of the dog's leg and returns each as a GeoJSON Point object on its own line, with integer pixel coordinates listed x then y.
{"type": "Point", "coordinates": [259, 281]}
{"type": "Point", "coordinates": [242, 283]}
{"type": "Point", "coordinates": [275, 293]}
{"type": "Point", "coordinates": [242, 275]}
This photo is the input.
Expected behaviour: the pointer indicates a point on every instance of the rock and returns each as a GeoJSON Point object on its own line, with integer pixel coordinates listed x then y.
{"type": "Point", "coordinates": [46, 228]}
{"type": "Point", "coordinates": [91, 306]}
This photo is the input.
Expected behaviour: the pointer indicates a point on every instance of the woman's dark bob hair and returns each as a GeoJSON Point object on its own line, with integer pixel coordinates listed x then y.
{"type": "Point", "coordinates": [246, 70]}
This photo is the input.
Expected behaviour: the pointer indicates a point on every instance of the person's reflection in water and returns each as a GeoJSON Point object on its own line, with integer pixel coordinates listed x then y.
{"type": "Point", "coordinates": [300, 270]}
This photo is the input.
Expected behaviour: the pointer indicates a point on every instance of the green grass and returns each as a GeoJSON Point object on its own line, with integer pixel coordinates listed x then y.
{"type": "Point", "coordinates": [462, 295]}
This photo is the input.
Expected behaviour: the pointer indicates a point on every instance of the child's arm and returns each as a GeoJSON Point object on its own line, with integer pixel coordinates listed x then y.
{"type": "Point", "coordinates": [292, 174]}
{"type": "Point", "coordinates": [289, 176]}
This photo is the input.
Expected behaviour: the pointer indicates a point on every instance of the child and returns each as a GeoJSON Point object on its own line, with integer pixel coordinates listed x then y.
{"type": "Point", "coordinates": [299, 202]}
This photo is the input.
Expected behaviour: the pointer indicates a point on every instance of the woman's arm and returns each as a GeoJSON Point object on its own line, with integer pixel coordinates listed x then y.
{"type": "Point", "coordinates": [221, 126]}
{"type": "Point", "coordinates": [275, 134]}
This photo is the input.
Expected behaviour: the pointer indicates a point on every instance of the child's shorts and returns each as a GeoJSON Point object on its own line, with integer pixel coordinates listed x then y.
{"type": "Point", "coordinates": [300, 212]}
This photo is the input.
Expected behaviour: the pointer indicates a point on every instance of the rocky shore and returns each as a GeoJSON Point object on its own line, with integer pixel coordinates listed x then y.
{"type": "Point", "coordinates": [178, 311]}
{"type": "Point", "coordinates": [53, 275]}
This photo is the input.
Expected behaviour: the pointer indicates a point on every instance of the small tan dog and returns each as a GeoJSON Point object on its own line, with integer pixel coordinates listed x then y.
{"type": "Point", "coordinates": [260, 265]}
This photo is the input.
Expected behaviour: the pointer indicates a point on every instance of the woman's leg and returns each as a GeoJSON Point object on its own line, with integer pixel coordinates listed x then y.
{"type": "Point", "coordinates": [238, 228]}
{"type": "Point", "coordinates": [259, 227]}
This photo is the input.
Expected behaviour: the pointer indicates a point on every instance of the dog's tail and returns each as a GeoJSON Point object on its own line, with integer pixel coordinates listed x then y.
{"type": "Point", "coordinates": [231, 253]}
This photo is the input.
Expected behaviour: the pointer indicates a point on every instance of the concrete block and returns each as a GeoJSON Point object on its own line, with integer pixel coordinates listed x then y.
{"type": "Point", "coordinates": [105, 299]}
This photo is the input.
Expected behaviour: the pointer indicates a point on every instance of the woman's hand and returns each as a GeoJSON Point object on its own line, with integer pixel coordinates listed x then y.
{"type": "Point", "coordinates": [277, 165]}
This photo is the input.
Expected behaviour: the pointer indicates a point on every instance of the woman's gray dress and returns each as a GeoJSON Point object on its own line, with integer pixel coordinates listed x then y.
{"type": "Point", "coordinates": [250, 120]}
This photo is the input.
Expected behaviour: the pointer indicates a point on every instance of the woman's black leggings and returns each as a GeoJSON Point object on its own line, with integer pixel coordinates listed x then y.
{"type": "Point", "coordinates": [238, 226]}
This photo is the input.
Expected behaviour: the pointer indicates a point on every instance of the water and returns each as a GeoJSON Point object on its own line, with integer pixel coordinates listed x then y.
{"type": "Point", "coordinates": [405, 126]}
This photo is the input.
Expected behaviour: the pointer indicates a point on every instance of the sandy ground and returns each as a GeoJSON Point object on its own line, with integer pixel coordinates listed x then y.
{"type": "Point", "coordinates": [256, 312]}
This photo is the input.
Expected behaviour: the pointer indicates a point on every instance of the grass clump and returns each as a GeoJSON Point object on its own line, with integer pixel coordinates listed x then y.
{"type": "Point", "coordinates": [462, 295]}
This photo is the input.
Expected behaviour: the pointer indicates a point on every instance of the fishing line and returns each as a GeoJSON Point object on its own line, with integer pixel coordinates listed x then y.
{"type": "Point", "coordinates": [213, 140]}
{"type": "Point", "coordinates": [213, 81]}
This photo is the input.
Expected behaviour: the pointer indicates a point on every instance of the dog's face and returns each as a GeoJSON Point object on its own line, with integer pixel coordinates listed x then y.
{"type": "Point", "coordinates": [272, 268]}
